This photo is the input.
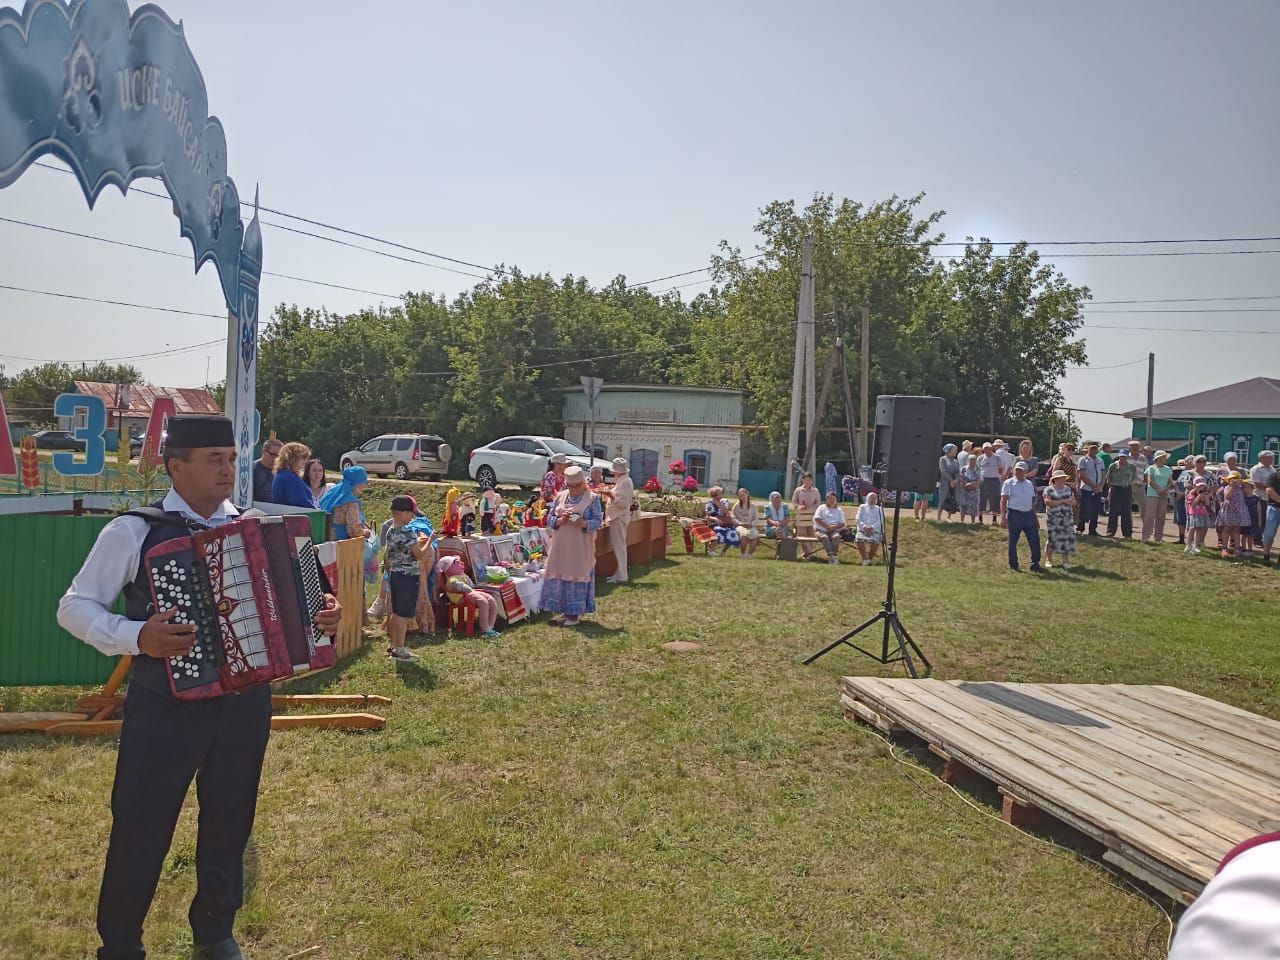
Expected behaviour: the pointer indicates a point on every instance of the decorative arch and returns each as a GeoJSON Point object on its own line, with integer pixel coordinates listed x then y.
{"type": "Point", "coordinates": [119, 97]}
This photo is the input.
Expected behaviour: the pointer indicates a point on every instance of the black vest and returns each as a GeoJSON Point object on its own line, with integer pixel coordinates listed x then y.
{"type": "Point", "coordinates": [148, 671]}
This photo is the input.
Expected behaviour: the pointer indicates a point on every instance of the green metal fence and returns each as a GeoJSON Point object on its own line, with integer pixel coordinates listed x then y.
{"type": "Point", "coordinates": [40, 554]}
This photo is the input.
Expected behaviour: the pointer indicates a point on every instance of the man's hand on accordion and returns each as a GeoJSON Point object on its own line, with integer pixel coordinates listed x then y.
{"type": "Point", "coordinates": [328, 618]}
{"type": "Point", "coordinates": [161, 638]}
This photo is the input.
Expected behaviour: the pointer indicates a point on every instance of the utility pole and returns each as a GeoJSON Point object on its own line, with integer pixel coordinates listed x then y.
{"type": "Point", "coordinates": [802, 371]}
{"type": "Point", "coordinates": [864, 455]}
{"type": "Point", "coordinates": [810, 372]}
{"type": "Point", "coordinates": [1151, 391]}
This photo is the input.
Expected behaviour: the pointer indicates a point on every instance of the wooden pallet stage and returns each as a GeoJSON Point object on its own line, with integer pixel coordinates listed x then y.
{"type": "Point", "coordinates": [1168, 781]}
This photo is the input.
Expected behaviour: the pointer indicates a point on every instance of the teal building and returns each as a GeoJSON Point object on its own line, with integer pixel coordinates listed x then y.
{"type": "Point", "coordinates": [1244, 417]}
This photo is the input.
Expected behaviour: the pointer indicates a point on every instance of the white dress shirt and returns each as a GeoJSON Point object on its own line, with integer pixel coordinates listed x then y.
{"type": "Point", "coordinates": [1020, 494]}
{"type": "Point", "coordinates": [85, 609]}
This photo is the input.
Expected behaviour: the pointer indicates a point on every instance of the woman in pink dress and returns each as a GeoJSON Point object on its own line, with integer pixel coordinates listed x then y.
{"type": "Point", "coordinates": [569, 583]}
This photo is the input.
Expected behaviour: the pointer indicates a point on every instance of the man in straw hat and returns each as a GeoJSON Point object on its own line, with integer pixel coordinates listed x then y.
{"type": "Point", "coordinates": [165, 742]}
{"type": "Point", "coordinates": [617, 516]}
{"type": "Point", "coordinates": [569, 583]}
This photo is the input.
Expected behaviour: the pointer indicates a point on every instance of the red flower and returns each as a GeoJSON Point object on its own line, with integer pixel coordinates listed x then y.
{"type": "Point", "coordinates": [676, 468]}
{"type": "Point", "coordinates": [690, 485]}
{"type": "Point", "coordinates": [652, 485]}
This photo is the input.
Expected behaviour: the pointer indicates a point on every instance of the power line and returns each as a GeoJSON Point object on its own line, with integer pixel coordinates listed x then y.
{"type": "Point", "coordinates": [134, 356]}
{"type": "Point", "coordinates": [301, 219]}
{"type": "Point", "coordinates": [1144, 253]}
{"type": "Point", "coordinates": [689, 273]}
{"type": "Point", "coordinates": [1273, 296]}
{"type": "Point", "coordinates": [114, 303]}
{"type": "Point", "coordinates": [1197, 310]}
{"type": "Point", "coordinates": [1113, 366]}
{"type": "Point", "coordinates": [1106, 326]}
{"type": "Point", "coordinates": [183, 256]}
{"type": "Point", "coordinates": [380, 253]}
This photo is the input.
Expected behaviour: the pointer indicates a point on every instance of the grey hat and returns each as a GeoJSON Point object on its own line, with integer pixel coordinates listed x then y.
{"type": "Point", "coordinates": [620, 464]}
{"type": "Point", "coordinates": [558, 458]}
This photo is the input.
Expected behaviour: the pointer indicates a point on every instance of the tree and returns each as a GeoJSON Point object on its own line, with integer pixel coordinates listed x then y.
{"type": "Point", "coordinates": [876, 256]}
{"type": "Point", "coordinates": [1006, 324]}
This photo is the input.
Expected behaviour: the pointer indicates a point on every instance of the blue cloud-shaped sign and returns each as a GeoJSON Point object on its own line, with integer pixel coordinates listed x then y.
{"type": "Point", "coordinates": [119, 97]}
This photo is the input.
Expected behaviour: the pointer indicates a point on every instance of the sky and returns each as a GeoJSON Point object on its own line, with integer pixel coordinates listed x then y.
{"type": "Point", "coordinates": [602, 138]}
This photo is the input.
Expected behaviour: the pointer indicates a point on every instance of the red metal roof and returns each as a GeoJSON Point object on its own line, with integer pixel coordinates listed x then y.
{"type": "Point", "coordinates": [141, 399]}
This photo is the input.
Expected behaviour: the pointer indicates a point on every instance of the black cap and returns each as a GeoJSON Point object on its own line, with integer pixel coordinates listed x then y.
{"type": "Point", "coordinates": [190, 431]}
{"type": "Point", "coordinates": [404, 502]}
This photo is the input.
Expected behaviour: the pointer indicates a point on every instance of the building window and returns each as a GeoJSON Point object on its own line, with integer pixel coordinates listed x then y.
{"type": "Point", "coordinates": [600, 452]}
{"type": "Point", "coordinates": [1210, 447]}
{"type": "Point", "coordinates": [1272, 444]}
{"type": "Point", "coordinates": [1240, 444]}
{"type": "Point", "coordinates": [698, 463]}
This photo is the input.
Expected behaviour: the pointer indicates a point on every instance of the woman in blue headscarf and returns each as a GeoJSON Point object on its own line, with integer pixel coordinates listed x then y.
{"type": "Point", "coordinates": [342, 503]}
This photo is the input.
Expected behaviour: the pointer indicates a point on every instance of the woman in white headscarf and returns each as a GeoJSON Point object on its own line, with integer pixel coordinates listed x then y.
{"type": "Point", "coordinates": [617, 516]}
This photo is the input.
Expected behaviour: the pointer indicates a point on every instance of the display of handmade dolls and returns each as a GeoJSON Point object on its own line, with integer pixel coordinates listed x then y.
{"type": "Point", "coordinates": [467, 514]}
{"type": "Point", "coordinates": [504, 522]}
{"type": "Point", "coordinates": [535, 514]}
{"type": "Point", "coordinates": [451, 574]}
{"type": "Point", "coordinates": [451, 525]}
{"type": "Point", "coordinates": [517, 514]}
{"type": "Point", "coordinates": [489, 500]}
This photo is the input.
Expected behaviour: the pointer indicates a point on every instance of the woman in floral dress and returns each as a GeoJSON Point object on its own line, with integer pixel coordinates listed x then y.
{"type": "Point", "coordinates": [1232, 514]}
{"type": "Point", "coordinates": [1059, 503]}
{"type": "Point", "coordinates": [1065, 462]}
{"type": "Point", "coordinates": [719, 515]}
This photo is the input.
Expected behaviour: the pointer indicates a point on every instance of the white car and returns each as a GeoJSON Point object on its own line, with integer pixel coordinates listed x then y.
{"type": "Point", "coordinates": [523, 460]}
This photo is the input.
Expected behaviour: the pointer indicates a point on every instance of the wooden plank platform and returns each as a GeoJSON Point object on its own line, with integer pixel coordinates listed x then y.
{"type": "Point", "coordinates": [1167, 780]}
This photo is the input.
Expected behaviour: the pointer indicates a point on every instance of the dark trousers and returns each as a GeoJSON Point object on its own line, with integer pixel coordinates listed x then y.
{"type": "Point", "coordinates": [989, 495]}
{"type": "Point", "coordinates": [164, 743]}
{"type": "Point", "coordinates": [1023, 522]}
{"type": "Point", "coordinates": [1121, 510]}
{"type": "Point", "coordinates": [1090, 511]}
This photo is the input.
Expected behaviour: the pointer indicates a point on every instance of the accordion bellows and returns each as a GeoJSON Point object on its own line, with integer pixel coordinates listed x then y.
{"type": "Point", "coordinates": [252, 589]}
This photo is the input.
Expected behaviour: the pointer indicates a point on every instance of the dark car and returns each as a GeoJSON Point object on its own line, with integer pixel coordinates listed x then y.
{"type": "Point", "coordinates": [57, 440]}
{"type": "Point", "coordinates": [135, 446]}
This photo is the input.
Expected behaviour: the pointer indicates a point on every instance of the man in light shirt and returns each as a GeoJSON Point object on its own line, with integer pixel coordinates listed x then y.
{"type": "Point", "coordinates": [166, 742]}
{"type": "Point", "coordinates": [1018, 515]}
{"type": "Point", "coordinates": [991, 466]}
{"type": "Point", "coordinates": [1007, 459]}
{"type": "Point", "coordinates": [1092, 476]}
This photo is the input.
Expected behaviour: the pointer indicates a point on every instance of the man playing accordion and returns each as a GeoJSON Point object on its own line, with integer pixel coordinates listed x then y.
{"type": "Point", "coordinates": [166, 742]}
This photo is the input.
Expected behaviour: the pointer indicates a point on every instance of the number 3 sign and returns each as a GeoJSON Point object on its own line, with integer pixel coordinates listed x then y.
{"type": "Point", "coordinates": [88, 418]}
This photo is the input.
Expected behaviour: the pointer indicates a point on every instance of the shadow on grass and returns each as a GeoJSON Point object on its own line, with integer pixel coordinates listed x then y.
{"type": "Point", "coordinates": [415, 674]}
{"type": "Point", "coordinates": [1086, 573]}
{"type": "Point", "coordinates": [984, 803]}
{"type": "Point", "coordinates": [954, 526]}
{"type": "Point", "coordinates": [314, 683]}
{"type": "Point", "coordinates": [590, 628]}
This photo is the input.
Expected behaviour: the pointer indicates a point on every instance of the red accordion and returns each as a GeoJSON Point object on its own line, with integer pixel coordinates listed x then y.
{"type": "Point", "coordinates": [252, 589]}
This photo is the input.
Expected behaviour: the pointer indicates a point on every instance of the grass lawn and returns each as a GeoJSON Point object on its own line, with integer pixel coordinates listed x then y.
{"type": "Point", "coordinates": [586, 794]}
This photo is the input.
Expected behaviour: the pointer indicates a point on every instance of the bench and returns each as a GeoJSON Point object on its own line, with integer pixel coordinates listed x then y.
{"type": "Point", "coordinates": [802, 532]}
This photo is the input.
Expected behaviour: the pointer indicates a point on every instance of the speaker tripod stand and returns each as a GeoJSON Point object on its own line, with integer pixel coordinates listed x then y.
{"type": "Point", "coordinates": [888, 618]}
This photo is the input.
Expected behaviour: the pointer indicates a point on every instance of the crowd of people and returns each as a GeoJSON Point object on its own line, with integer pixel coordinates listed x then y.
{"type": "Point", "coordinates": [571, 505]}
{"type": "Point", "coordinates": [1086, 484]}
{"type": "Point", "coordinates": [818, 522]}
